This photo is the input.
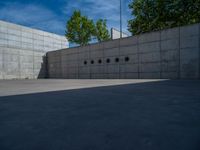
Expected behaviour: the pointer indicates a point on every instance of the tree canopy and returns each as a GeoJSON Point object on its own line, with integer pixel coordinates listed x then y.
{"type": "Point", "coordinates": [101, 33]}
{"type": "Point", "coordinates": [152, 15]}
{"type": "Point", "coordinates": [80, 29]}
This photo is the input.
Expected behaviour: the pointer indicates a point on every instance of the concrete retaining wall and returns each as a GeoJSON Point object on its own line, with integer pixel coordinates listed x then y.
{"type": "Point", "coordinates": [22, 51]}
{"type": "Point", "coordinates": [172, 53]}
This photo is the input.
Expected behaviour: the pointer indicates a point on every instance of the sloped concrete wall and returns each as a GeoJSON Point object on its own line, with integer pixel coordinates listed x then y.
{"type": "Point", "coordinates": [22, 51]}
{"type": "Point", "coordinates": [172, 53]}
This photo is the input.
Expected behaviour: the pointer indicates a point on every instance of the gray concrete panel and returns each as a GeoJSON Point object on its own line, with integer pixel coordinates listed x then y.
{"type": "Point", "coordinates": [133, 40]}
{"type": "Point", "coordinates": [169, 75]}
{"type": "Point", "coordinates": [84, 70]}
{"type": "Point", "coordinates": [149, 47]}
{"type": "Point", "coordinates": [149, 57]}
{"type": "Point", "coordinates": [171, 53]}
{"type": "Point", "coordinates": [128, 50]}
{"type": "Point", "coordinates": [129, 68]}
{"type": "Point", "coordinates": [149, 37]}
{"type": "Point", "coordinates": [190, 41]}
{"type": "Point", "coordinates": [112, 69]}
{"type": "Point", "coordinates": [170, 44]}
{"type": "Point", "coordinates": [133, 59]}
{"type": "Point", "coordinates": [111, 44]}
{"type": "Point", "coordinates": [21, 45]}
{"type": "Point", "coordinates": [128, 75]}
{"type": "Point", "coordinates": [170, 66]}
{"type": "Point", "coordinates": [84, 76]}
{"type": "Point", "coordinates": [150, 67]}
{"type": "Point", "coordinates": [150, 75]}
{"type": "Point", "coordinates": [190, 30]}
{"type": "Point", "coordinates": [189, 63]}
{"type": "Point", "coordinates": [170, 34]}
{"type": "Point", "coordinates": [111, 52]}
{"type": "Point", "coordinates": [99, 53]}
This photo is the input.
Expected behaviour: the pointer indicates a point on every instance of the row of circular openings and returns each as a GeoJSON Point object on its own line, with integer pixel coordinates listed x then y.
{"type": "Point", "coordinates": [107, 60]}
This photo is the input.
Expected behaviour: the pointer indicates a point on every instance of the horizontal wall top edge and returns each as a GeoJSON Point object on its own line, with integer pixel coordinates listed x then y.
{"type": "Point", "coordinates": [26, 28]}
{"type": "Point", "coordinates": [135, 37]}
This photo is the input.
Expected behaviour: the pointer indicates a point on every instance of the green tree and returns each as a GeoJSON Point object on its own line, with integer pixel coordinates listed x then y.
{"type": "Point", "coordinates": [101, 31]}
{"type": "Point", "coordinates": [152, 15]}
{"type": "Point", "coordinates": [79, 29]}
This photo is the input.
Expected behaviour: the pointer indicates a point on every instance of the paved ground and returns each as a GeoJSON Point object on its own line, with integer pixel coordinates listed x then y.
{"type": "Point", "coordinates": [121, 115]}
{"type": "Point", "coordinates": [18, 87]}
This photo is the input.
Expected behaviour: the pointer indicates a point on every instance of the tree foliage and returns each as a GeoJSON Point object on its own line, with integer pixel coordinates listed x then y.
{"type": "Point", "coordinates": [152, 15]}
{"type": "Point", "coordinates": [101, 31]}
{"type": "Point", "coordinates": [80, 29]}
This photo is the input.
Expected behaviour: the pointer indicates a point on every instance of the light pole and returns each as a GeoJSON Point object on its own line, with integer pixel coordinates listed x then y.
{"type": "Point", "coordinates": [120, 18]}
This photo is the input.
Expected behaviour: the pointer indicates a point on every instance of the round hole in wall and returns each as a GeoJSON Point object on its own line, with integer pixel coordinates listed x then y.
{"type": "Point", "coordinates": [108, 60]}
{"type": "Point", "coordinates": [85, 62]}
{"type": "Point", "coordinates": [116, 59]}
{"type": "Point", "coordinates": [92, 61]}
{"type": "Point", "coordinates": [99, 61]}
{"type": "Point", "coordinates": [127, 59]}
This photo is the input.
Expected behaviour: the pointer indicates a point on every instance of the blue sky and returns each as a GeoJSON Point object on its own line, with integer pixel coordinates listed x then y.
{"type": "Point", "coordinates": [51, 15]}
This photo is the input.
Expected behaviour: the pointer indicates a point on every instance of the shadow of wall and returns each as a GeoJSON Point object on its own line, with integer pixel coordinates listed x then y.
{"type": "Point", "coordinates": [43, 73]}
{"type": "Point", "coordinates": [133, 116]}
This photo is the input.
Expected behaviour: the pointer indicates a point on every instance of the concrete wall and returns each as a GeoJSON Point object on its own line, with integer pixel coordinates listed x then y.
{"type": "Point", "coordinates": [115, 34]}
{"type": "Point", "coordinates": [22, 50]}
{"type": "Point", "coordinates": [172, 53]}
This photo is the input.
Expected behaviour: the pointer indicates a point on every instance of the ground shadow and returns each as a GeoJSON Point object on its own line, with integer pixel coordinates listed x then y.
{"type": "Point", "coordinates": [145, 116]}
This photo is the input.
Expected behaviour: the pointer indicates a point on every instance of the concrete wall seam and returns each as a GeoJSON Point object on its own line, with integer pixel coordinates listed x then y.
{"type": "Point", "coordinates": [199, 51]}
{"type": "Point", "coordinates": [23, 49]}
{"type": "Point", "coordinates": [170, 53]}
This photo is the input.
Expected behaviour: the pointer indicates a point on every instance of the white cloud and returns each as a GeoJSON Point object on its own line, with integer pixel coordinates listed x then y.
{"type": "Point", "coordinates": [105, 9]}
{"type": "Point", "coordinates": [33, 16]}
{"type": "Point", "coordinates": [40, 17]}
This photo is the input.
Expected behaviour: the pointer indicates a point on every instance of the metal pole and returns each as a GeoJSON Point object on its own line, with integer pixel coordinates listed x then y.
{"type": "Point", "coordinates": [120, 18]}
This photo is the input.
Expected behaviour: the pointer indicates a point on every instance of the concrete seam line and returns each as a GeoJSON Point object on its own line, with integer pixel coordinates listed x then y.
{"type": "Point", "coordinates": [33, 63]}
{"type": "Point", "coordinates": [33, 49]}
{"type": "Point", "coordinates": [19, 74]}
{"type": "Point", "coordinates": [78, 54]}
{"type": "Point", "coordinates": [179, 53]}
{"type": "Point", "coordinates": [199, 51]}
{"type": "Point", "coordinates": [160, 55]}
{"type": "Point", "coordinates": [4, 72]}
{"type": "Point", "coordinates": [90, 75]}
{"type": "Point", "coordinates": [118, 56]}
{"type": "Point", "coordinates": [3, 65]}
{"type": "Point", "coordinates": [138, 57]}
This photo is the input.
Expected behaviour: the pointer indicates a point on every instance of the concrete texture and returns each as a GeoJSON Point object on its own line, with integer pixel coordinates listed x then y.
{"type": "Point", "coordinates": [22, 51]}
{"type": "Point", "coordinates": [171, 53]}
{"type": "Point", "coordinates": [115, 34]}
{"type": "Point", "coordinates": [121, 115]}
{"type": "Point", "coordinates": [18, 87]}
